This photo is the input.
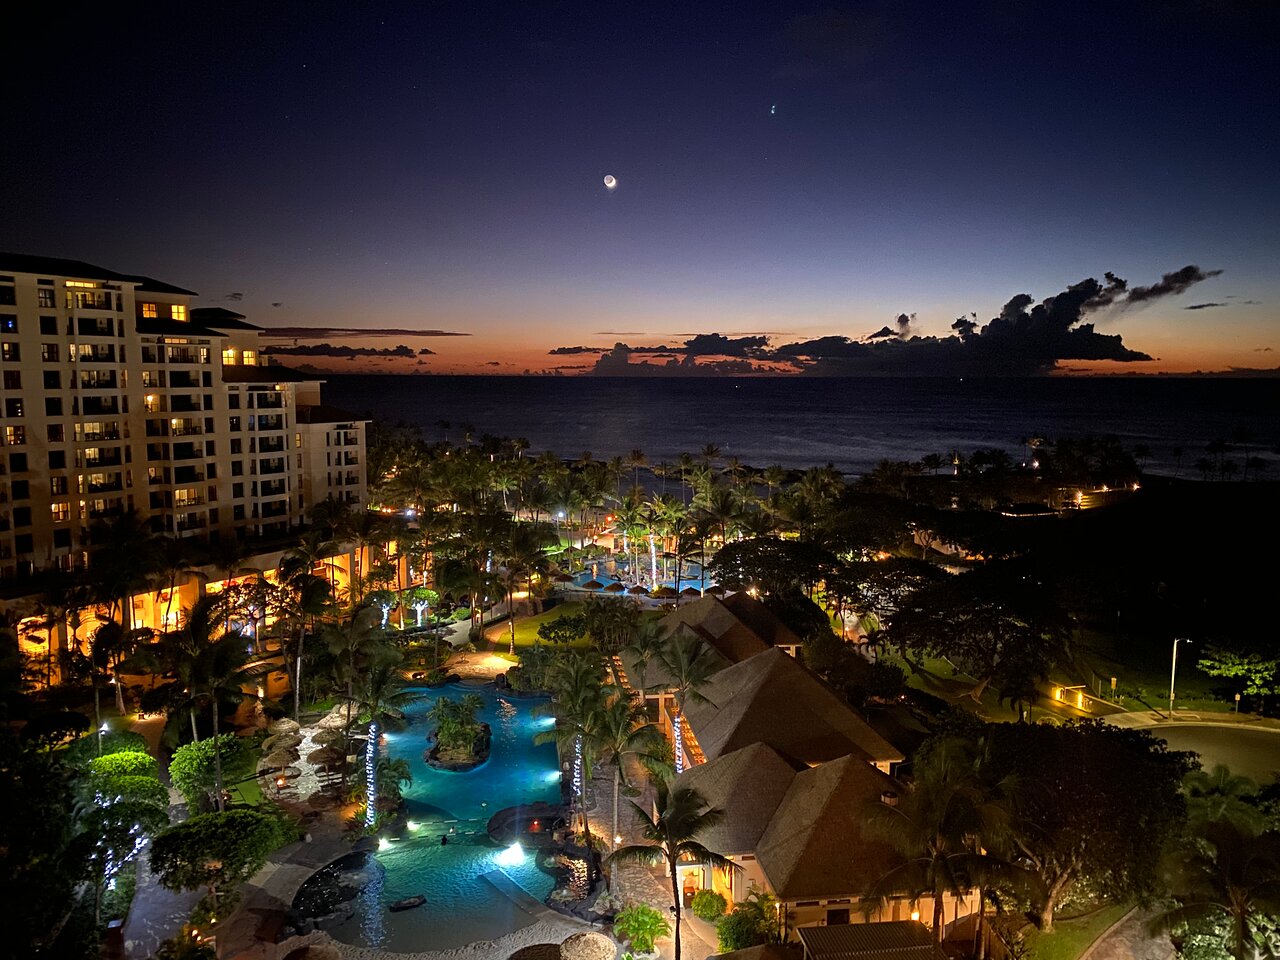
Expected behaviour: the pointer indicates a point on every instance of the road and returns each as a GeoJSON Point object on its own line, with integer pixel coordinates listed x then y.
{"type": "Point", "coordinates": [1251, 751]}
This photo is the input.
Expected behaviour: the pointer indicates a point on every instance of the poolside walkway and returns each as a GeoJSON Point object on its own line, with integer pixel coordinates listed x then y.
{"type": "Point", "coordinates": [1131, 939]}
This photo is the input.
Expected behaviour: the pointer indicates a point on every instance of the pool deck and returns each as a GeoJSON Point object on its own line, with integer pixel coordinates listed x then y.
{"type": "Point", "coordinates": [518, 895]}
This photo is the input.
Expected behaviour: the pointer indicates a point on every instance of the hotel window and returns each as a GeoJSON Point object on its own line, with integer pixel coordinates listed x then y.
{"type": "Point", "coordinates": [251, 357]}
{"type": "Point", "coordinates": [8, 322]}
{"type": "Point", "coordinates": [10, 352]}
{"type": "Point", "coordinates": [49, 326]}
{"type": "Point", "coordinates": [8, 295]}
{"type": "Point", "coordinates": [151, 403]}
{"type": "Point", "coordinates": [44, 297]}
{"type": "Point", "coordinates": [12, 380]}
{"type": "Point", "coordinates": [178, 311]}
{"type": "Point", "coordinates": [21, 489]}
{"type": "Point", "coordinates": [22, 516]}
{"type": "Point", "coordinates": [49, 352]}
{"type": "Point", "coordinates": [58, 486]}
{"type": "Point", "coordinates": [60, 511]}
{"type": "Point", "coordinates": [52, 380]}
{"type": "Point", "coordinates": [57, 459]}
{"type": "Point", "coordinates": [56, 433]}
{"type": "Point", "coordinates": [13, 407]}
{"type": "Point", "coordinates": [17, 463]}
{"type": "Point", "coordinates": [15, 436]}
{"type": "Point", "coordinates": [229, 356]}
{"type": "Point", "coordinates": [149, 310]}
{"type": "Point", "coordinates": [53, 406]}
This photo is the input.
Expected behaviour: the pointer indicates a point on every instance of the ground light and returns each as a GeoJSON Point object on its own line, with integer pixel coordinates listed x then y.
{"type": "Point", "coordinates": [512, 856]}
{"type": "Point", "coordinates": [384, 843]}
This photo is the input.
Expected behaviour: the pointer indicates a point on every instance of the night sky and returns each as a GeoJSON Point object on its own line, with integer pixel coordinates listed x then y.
{"type": "Point", "coordinates": [784, 170]}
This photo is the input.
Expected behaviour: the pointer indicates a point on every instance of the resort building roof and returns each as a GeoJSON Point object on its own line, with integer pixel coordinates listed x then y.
{"type": "Point", "coordinates": [814, 846]}
{"type": "Point", "coordinates": [765, 951]}
{"type": "Point", "coordinates": [762, 621]}
{"type": "Point", "coordinates": [738, 626]}
{"type": "Point", "coordinates": [747, 785]}
{"type": "Point", "coordinates": [770, 698]}
{"type": "Point", "coordinates": [892, 940]}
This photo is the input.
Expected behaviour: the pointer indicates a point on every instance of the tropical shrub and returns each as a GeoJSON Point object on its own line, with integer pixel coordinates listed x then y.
{"type": "Point", "coordinates": [641, 925]}
{"type": "Point", "coordinates": [131, 789]}
{"type": "Point", "coordinates": [192, 768]}
{"type": "Point", "coordinates": [126, 764]}
{"type": "Point", "coordinates": [567, 628]}
{"type": "Point", "coordinates": [456, 724]}
{"type": "Point", "coordinates": [753, 921]}
{"type": "Point", "coordinates": [462, 613]}
{"type": "Point", "coordinates": [709, 905]}
{"type": "Point", "coordinates": [214, 849]}
{"type": "Point", "coordinates": [114, 741]}
{"type": "Point", "coordinates": [186, 945]}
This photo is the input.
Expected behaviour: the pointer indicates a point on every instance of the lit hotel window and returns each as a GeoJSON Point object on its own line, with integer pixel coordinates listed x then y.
{"type": "Point", "coordinates": [229, 356]}
{"type": "Point", "coordinates": [148, 309]}
{"type": "Point", "coordinates": [60, 511]}
{"type": "Point", "coordinates": [178, 311]}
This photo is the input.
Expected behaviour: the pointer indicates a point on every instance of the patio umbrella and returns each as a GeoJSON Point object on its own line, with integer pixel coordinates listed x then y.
{"type": "Point", "coordinates": [281, 758]}
{"type": "Point", "coordinates": [324, 738]}
{"type": "Point", "coordinates": [716, 590]}
{"type": "Point", "coordinates": [690, 592]}
{"type": "Point", "coordinates": [326, 756]}
{"type": "Point", "coordinates": [335, 720]}
{"type": "Point", "coordinates": [562, 578]}
{"type": "Point", "coordinates": [290, 773]}
{"type": "Point", "coordinates": [664, 593]}
{"type": "Point", "coordinates": [615, 587]}
{"type": "Point", "coordinates": [639, 591]}
{"type": "Point", "coordinates": [283, 741]}
{"type": "Point", "coordinates": [592, 585]}
{"type": "Point", "coordinates": [283, 725]}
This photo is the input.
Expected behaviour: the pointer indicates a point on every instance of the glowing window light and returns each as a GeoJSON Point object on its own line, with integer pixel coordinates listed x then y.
{"type": "Point", "coordinates": [512, 856]}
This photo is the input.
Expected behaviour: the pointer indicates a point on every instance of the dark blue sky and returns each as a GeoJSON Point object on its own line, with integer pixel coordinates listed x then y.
{"type": "Point", "coordinates": [800, 170]}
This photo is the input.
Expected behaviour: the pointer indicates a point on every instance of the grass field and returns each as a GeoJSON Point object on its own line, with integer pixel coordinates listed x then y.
{"type": "Point", "coordinates": [527, 629]}
{"type": "Point", "coordinates": [1070, 938]}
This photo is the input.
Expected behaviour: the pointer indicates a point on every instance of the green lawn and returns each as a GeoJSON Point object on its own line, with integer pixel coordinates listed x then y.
{"type": "Point", "coordinates": [1143, 666]}
{"type": "Point", "coordinates": [1070, 938]}
{"type": "Point", "coordinates": [527, 628]}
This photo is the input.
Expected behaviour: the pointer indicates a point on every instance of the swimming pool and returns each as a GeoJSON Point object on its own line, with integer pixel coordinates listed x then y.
{"type": "Point", "coordinates": [607, 571]}
{"type": "Point", "coordinates": [461, 905]}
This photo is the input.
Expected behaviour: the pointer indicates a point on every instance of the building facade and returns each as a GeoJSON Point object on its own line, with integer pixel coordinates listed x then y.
{"type": "Point", "coordinates": [118, 395]}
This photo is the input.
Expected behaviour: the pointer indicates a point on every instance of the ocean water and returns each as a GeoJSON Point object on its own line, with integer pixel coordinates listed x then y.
{"type": "Point", "coordinates": [801, 422]}
{"type": "Point", "coordinates": [461, 906]}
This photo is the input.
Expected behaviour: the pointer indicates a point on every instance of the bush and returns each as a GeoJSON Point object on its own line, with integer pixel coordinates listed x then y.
{"type": "Point", "coordinates": [462, 613]}
{"type": "Point", "coordinates": [125, 764]}
{"type": "Point", "coordinates": [754, 921]}
{"type": "Point", "coordinates": [192, 768]}
{"type": "Point", "coordinates": [132, 789]}
{"type": "Point", "coordinates": [214, 849]}
{"type": "Point", "coordinates": [641, 924]}
{"type": "Point", "coordinates": [116, 741]}
{"type": "Point", "coordinates": [709, 905]}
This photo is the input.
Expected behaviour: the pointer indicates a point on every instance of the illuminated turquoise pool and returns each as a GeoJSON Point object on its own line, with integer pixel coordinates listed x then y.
{"type": "Point", "coordinates": [462, 906]}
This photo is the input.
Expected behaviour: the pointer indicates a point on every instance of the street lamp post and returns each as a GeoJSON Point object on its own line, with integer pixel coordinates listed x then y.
{"type": "Point", "coordinates": [1173, 674]}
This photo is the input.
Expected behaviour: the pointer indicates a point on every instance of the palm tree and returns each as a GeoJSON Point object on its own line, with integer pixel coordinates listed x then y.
{"type": "Point", "coordinates": [690, 665]}
{"type": "Point", "coordinates": [942, 828]}
{"type": "Point", "coordinates": [522, 556]}
{"type": "Point", "coordinates": [621, 730]}
{"type": "Point", "coordinates": [219, 669]}
{"type": "Point", "coordinates": [1227, 870]}
{"type": "Point", "coordinates": [379, 692]}
{"type": "Point", "coordinates": [1221, 795]}
{"type": "Point", "coordinates": [672, 835]}
{"type": "Point", "coordinates": [579, 693]}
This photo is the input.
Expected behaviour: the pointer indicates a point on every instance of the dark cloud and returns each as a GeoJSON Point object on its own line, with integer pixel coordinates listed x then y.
{"type": "Point", "coordinates": [882, 333]}
{"type": "Point", "coordinates": [904, 322]}
{"type": "Point", "coordinates": [493, 363]}
{"type": "Point", "coordinates": [332, 350]}
{"type": "Point", "coordinates": [426, 352]}
{"type": "Point", "coordinates": [965, 326]}
{"type": "Point", "coordinates": [1171, 284]}
{"type": "Point", "coordinates": [715, 345]}
{"type": "Point", "coordinates": [823, 347]}
{"type": "Point", "coordinates": [1261, 349]}
{"type": "Point", "coordinates": [571, 351]}
{"type": "Point", "coordinates": [1205, 306]}
{"type": "Point", "coordinates": [277, 303]}
{"type": "Point", "coordinates": [234, 297]}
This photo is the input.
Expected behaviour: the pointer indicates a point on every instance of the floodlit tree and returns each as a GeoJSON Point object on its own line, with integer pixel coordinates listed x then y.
{"type": "Point", "coordinates": [214, 850]}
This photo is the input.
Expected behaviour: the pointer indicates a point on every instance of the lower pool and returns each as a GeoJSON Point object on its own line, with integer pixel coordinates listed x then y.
{"type": "Point", "coordinates": [461, 906]}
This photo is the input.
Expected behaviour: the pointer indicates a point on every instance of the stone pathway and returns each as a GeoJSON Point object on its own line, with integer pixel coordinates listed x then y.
{"type": "Point", "coordinates": [156, 914]}
{"type": "Point", "coordinates": [1131, 939]}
